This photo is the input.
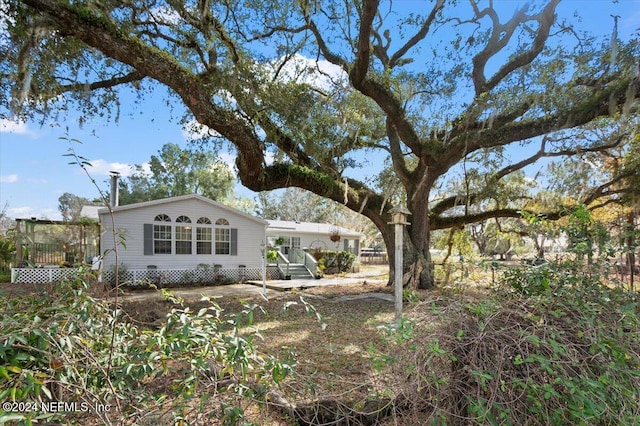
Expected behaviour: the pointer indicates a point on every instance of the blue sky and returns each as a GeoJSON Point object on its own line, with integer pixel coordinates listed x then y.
{"type": "Point", "coordinates": [34, 171]}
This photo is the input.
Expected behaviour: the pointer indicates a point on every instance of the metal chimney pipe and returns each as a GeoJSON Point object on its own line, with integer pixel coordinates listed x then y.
{"type": "Point", "coordinates": [113, 195]}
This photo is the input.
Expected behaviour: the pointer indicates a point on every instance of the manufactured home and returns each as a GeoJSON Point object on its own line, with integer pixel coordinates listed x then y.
{"type": "Point", "coordinates": [312, 236]}
{"type": "Point", "coordinates": [182, 239]}
{"type": "Point", "coordinates": [192, 239]}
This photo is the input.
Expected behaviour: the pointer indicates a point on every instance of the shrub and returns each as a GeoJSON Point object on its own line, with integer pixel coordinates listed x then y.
{"type": "Point", "coordinates": [67, 346]}
{"type": "Point", "coordinates": [341, 261]}
{"type": "Point", "coordinates": [567, 356]}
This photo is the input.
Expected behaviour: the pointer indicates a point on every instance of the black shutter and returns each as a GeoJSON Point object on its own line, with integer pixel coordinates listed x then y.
{"type": "Point", "coordinates": [233, 249]}
{"type": "Point", "coordinates": [148, 239]}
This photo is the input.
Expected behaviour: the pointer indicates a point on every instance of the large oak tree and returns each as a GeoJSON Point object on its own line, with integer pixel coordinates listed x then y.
{"type": "Point", "coordinates": [444, 88]}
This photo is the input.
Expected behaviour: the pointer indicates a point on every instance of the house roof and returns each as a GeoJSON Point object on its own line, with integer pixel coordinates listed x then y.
{"type": "Point", "coordinates": [310, 228]}
{"type": "Point", "coordinates": [172, 200]}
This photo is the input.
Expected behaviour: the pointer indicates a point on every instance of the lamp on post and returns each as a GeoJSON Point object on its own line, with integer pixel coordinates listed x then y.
{"type": "Point", "coordinates": [263, 250]}
{"type": "Point", "coordinates": [399, 217]}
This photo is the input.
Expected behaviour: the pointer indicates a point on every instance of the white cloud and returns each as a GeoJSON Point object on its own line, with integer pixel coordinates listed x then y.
{"type": "Point", "coordinates": [15, 126]}
{"type": "Point", "coordinates": [165, 15]}
{"type": "Point", "coordinates": [193, 131]}
{"type": "Point", "coordinates": [102, 167]}
{"type": "Point", "coordinates": [13, 178]}
{"type": "Point", "coordinates": [20, 212]}
{"type": "Point", "coordinates": [320, 74]}
{"type": "Point", "coordinates": [27, 212]}
{"type": "Point", "coordinates": [229, 160]}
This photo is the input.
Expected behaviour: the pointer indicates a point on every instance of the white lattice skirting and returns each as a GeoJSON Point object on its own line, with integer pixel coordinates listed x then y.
{"type": "Point", "coordinates": [41, 275]}
{"type": "Point", "coordinates": [182, 276]}
{"type": "Point", "coordinates": [145, 276]}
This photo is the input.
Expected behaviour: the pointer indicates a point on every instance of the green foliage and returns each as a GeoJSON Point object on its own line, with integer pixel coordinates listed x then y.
{"type": "Point", "coordinates": [410, 296]}
{"type": "Point", "coordinates": [552, 359]}
{"type": "Point", "coordinates": [272, 256]}
{"type": "Point", "coordinates": [342, 261]}
{"type": "Point", "coordinates": [175, 171]}
{"type": "Point", "coordinates": [586, 238]}
{"type": "Point", "coordinates": [586, 235]}
{"type": "Point", "coordinates": [66, 345]}
{"type": "Point", "coordinates": [70, 206]}
{"type": "Point", "coordinates": [119, 275]}
{"type": "Point", "coordinates": [7, 249]}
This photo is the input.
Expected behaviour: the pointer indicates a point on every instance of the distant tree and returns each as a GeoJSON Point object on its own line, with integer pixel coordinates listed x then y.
{"type": "Point", "coordinates": [176, 171]}
{"type": "Point", "coordinates": [295, 204]}
{"type": "Point", "coordinates": [7, 242]}
{"type": "Point", "coordinates": [238, 202]}
{"type": "Point", "coordinates": [299, 205]}
{"type": "Point", "coordinates": [70, 206]}
{"type": "Point", "coordinates": [6, 223]}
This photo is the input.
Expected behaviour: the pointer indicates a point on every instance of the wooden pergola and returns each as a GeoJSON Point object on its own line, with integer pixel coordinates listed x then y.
{"type": "Point", "coordinates": [64, 242]}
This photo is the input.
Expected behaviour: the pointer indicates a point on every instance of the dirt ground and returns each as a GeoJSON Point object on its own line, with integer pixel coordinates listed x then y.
{"type": "Point", "coordinates": [368, 274]}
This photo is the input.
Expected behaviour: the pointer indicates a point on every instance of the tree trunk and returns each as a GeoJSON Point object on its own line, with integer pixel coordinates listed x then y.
{"type": "Point", "coordinates": [417, 266]}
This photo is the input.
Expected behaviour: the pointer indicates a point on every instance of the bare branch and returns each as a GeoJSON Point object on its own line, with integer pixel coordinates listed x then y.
{"type": "Point", "coordinates": [419, 36]}
{"type": "Point", "coordinates": [132, 77]}
{"type": "Point", "coordinates": [324, 48]}
{"type": "Point", "coordinates": [500, 37]}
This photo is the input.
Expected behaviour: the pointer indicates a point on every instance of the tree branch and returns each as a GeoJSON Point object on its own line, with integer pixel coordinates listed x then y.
{"type": "Point", "coordinates": [360, 66]}
{"type": "Point", "coordinates": [132, 77]}
{"type": "Point", "coordinates": [419, 36]}
{"type": "Point", "coordinates": [453, 201]}
{"type": "Point", "coordinates": [500, 37]}
{"type": "Point", "coordinates": [444, 222]}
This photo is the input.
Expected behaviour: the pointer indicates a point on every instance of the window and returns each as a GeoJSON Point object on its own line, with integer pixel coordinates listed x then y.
{"type": "Point", "coordinates": [162, 235]}
{"type": "Point", "coordinates": [204, 220]}
{"type": "Point", "coordinates": [289, 244]}
{"type": "Point", "coordinates": [223, 237]}
{"type": "Point", "coordinates": [184, 235]}
{"type": "Point", "coordinates": [204, 236]}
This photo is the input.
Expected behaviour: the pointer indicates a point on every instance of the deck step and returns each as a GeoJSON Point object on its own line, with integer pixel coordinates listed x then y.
{"type": "Point", "coordinates": [299, 272]}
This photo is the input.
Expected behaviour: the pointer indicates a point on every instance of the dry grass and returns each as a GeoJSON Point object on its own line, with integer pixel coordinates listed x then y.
{"type": "Point", "coordinates": [331, 340]}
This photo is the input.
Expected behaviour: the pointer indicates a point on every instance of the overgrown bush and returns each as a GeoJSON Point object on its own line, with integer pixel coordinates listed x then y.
{"type": "Point", "coordinates": [570, 355]}
{"type": "Point", "coordinates": [67, 346]}
{"type": "Point", "coordinates": [338, 261]}
{"type": "Point", "coordinates": [558, 277]}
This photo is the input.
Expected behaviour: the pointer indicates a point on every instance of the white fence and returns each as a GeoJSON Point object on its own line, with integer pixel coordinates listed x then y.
{"type": "Point", "coordinates": [41, 275]}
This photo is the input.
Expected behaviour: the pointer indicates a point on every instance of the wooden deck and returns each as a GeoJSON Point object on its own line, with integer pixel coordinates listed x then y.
{"type": "Point", "coordinates": [287, 285]}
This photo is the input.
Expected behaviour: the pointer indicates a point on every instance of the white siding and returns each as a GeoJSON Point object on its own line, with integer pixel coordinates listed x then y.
{"type": "Point", "coordinates": [311, 234]}
{"type": "Point", "coordinates": [129, 221]}
{"type": "Point", "coordinates": [309, 240]}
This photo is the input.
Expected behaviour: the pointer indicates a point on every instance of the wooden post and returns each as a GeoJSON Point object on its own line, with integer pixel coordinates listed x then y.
{"type": "Point", "coordinates": [399, 219]}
